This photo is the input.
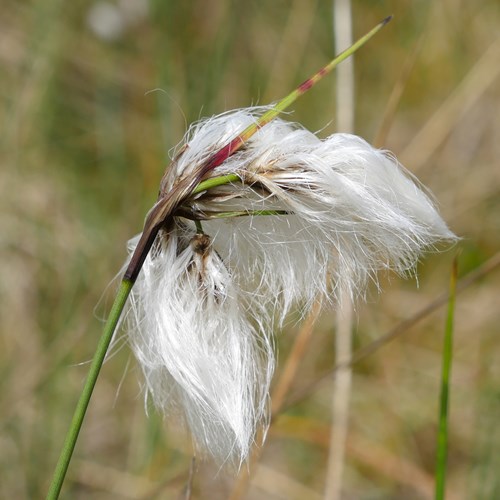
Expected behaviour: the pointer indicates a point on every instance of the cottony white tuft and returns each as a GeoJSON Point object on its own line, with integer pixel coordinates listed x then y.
{"type": "Point", "coordinates": [201, 356]}
{"type": "Point", "coordinates": [203, 306]}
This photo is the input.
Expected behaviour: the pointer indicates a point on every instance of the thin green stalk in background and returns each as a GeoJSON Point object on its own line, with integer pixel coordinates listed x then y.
{"type": "Point", "coordinates": [163, 209]}
{"type": "Point", "coordinates": [442, 441]}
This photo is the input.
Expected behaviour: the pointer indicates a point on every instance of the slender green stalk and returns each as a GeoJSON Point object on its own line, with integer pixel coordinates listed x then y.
{"type": "Point", "coordinates": [199, 227]}
{"type": "Point", "coordinates": [215, 181]}
{"type": "Point", "coordinates": [306, 85]}
{"type": "Point", "coordinates": [83, 402]}
{"type": "Point", "coordinates": [242, 213]}
{"type": "Point", "coordinates": [442, 441]}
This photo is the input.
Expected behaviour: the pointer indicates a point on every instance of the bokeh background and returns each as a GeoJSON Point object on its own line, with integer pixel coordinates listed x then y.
{"type": "Point", "coordinates": [93, 97]}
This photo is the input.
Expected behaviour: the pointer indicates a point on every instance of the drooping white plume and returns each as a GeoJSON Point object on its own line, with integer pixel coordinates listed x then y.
{"type": "Point", "coordinates": [201, 357]}
{"type": "Point", "coordinates": [353, 211]}
{"type": "Point", "coordinates": [203, 306]}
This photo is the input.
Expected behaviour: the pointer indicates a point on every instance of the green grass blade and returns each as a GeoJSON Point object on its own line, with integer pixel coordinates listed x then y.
{"type": "Point", "coordinates": [442, 441]}
{"type": "Point", "coordinates": [284, 103]}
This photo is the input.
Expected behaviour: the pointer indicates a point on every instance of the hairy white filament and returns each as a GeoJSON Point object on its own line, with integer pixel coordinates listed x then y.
{"type": "Point", "coordinates": [201, 356]}
{"type": "Point", "coordinates": [354, 211]}
{"type": "Point", "coordinates": [203, 307]}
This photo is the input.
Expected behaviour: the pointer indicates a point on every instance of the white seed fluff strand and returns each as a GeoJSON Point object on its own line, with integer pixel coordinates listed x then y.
{"type": "Point", "coordinates": [201, 357]}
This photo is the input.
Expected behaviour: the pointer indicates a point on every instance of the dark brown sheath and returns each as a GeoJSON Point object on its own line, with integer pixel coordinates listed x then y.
{"type": "Point", "coordinates": [168, 203]}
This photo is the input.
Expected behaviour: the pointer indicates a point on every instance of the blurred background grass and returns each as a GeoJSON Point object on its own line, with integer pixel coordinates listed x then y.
{"type": "Point", "coordinates": [94, 94]}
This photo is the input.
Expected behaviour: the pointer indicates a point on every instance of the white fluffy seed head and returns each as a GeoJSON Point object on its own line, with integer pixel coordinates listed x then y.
{"type": "Point", "coordinates": [202, 358]}
{"type": "Point", "coordinates": [203, 307]}
{"type": "Point", "coordinates": [354, 211]}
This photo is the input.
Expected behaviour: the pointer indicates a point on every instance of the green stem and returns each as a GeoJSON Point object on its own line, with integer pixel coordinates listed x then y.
{"type": "Point", "coordinates": [215, 181]}
{"type": "Point", "coordinates": [83, 402]}
{"type": "Point", "coordinates": [243, 213]}
{"type": "Point", "coordinates": [199, 227]}
{"type": "Point", "coordinates": [284, 103]}
{"type": "Point", "coordinates": [442, 441]}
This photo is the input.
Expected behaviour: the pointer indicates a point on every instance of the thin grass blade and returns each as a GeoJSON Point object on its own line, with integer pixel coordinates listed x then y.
{"type": "Point", "coordinates": [442, 441]}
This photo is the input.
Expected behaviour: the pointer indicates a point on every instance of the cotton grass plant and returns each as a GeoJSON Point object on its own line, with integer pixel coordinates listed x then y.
{"type": "Point", "coordinates": [254, 216]}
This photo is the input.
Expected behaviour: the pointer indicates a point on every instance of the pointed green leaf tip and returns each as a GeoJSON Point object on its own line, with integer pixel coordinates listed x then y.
{"type": "Point", "coordinates": [304, 87]}
{"type": "Point", "coordinates": [386, 20]}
